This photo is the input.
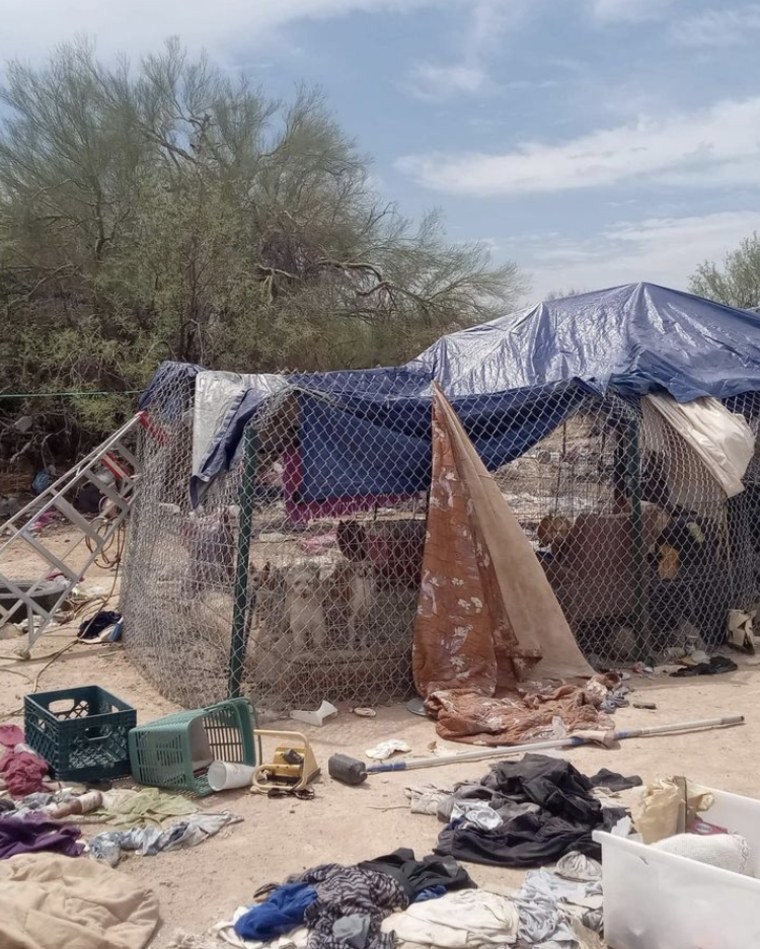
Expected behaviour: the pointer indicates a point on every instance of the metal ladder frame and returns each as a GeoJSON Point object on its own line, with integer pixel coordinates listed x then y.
{"type": "Point", "coordinates": [110, 454]}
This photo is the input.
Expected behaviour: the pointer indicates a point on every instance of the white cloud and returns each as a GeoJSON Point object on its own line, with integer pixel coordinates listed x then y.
{"type": "Point", "coordinates": [664, 250]}
{"type": "Point", "coordinates": [428, 81]}
{"type": "Point", "coordinates": [719, 28]}
{"type": "Point", "coordinates": [717, 145]}
{"type": "Point", "coordinates": [485, 23]}
{"type": "Point", "coordinates": [609, 10]}
{"type": "Point", "coordinates": [31, 29]}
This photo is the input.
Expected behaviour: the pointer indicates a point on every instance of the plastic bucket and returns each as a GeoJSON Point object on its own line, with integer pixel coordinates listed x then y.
{"type": "Point", "coordinates": [224, 775]}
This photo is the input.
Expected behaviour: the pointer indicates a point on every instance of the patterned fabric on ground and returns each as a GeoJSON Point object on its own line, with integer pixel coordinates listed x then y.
{"type": "Point", "coordinates": [521, 716]}
{"type": "Point", "coordinates": [350, 891]}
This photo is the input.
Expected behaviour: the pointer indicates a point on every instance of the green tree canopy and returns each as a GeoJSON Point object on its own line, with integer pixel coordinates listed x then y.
{"type": "Point", "coordinates": [168, 211]}
{"type": "Point", "coordinates": [737, 282]}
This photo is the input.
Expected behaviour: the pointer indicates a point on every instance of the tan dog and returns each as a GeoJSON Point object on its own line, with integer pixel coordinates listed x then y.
{"type": "Point", "coordinates": [553, 530]}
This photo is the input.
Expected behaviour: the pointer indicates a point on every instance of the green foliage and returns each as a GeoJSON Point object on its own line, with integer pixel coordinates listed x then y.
{"type": "Point", "coordinates": [561, 294]}
{"type": "Point", "coordinates": [170, 212]}
{"type": "Point", "coordinates": [738, 282]}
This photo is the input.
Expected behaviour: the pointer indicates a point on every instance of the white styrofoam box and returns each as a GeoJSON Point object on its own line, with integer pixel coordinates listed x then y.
{"type": "Point", "coordinates": [655, 900]}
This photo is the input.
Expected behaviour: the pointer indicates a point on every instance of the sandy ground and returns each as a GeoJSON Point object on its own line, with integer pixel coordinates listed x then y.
{"type": "Point", "coordinates": [279, 837]}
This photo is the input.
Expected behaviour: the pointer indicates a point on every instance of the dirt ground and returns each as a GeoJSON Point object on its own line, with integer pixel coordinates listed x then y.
{"type": "Point", "coordinates": [200, 886]}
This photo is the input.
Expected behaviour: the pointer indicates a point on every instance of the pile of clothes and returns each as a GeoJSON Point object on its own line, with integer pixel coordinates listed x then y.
{"type": "Point", "coordinates": [344, 907]}
{"type": "Point", "coordinates": [525, 813]}
{"type": "Point", "coordinates": [399, 901]}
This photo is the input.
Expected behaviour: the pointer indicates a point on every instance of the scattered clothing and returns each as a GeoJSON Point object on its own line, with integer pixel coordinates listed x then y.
{"type": "Point", "coordinates": [127, 807]}
{"type": "Point", "coordinates": [93, 628]}
{"type": "Point", "coordinates": [563, 821]}
{"type": "Point", "coordinates": [476, 814]}
{"type": "Point", "coordinates": [552, 910]}
{"type": "Point", "coordinates": [282, 912]}
{"type": "Point", "coordinates": [614, 782]}
{"type": "Point", "coordinates": [426, 798]}
{"type": "Point", "coordinates": [23, 772]}
{"type": "Point", "coordinates": [431, 893]}
{"type": "Point", "coordinates": [521, 716]}
{"type": "Point", "coordinates": [225, 931]}
{"type": "Point", "coordinates": [47, 901]}
{"type": "Point", "coordinates": [22, 769]}
{"type": "Point", "coordinates": [352, 931]}
{"type": "Point", "coordinates": [414, 876]}
{"type": "Point", "coordinates": [505, 807]}
{"type": "Point", "coordinates": [59, 804]}
{"type": "Point", "coordinates": [30, 834]}
{"type": "Point", "coordinates": [715, 666]}
{"type": "Point", "coordinates": [387, 749]}
{"type": "Point", "coordinates": [470, 919]}
{"type": "Point", "coordinates": [11, 735]}
{"type": "Point", "coordinates": [347, 891]}
{"type": "Point", "coordinates": [615, 699]}
{"type": "Point", "coordinates": [149, 841]}
{"type": "Point", "coordinates": [578, 866]}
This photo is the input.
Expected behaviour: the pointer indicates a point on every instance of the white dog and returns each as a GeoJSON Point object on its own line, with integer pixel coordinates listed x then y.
{"type": "Point", "coordinates": [304, 608]}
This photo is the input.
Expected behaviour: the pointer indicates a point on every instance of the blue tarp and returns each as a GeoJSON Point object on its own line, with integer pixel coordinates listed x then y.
{"type": "Point", "coordinates": [359, 446]}
{"type": "Point", "coordinates": [512, 381]}
{"type": "Point", "coordinates": [631, 339]}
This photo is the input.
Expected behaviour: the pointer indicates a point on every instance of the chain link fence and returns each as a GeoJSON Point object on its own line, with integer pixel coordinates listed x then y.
{"type": "Point", "coordinates": [292, 601]}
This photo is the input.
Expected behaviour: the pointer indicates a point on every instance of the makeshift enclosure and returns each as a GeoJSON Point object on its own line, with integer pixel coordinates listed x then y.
{"type": "Point", "coordinates": [277, 540]}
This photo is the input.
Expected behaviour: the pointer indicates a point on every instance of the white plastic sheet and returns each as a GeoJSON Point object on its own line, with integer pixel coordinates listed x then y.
{"type": "Point", "coordinates": [722, 440]}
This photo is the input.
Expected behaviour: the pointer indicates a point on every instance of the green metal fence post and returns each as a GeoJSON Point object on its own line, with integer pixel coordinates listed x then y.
{"type": "Point", "coordinates": [641, 611]}
{"type": "Point", "coordinates": [241, 606]}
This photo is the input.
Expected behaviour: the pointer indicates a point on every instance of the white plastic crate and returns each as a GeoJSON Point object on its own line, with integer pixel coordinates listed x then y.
{"type": "Point", "coordinates": [655, 900]}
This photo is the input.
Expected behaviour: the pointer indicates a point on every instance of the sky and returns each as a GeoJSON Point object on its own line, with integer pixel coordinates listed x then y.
{"type": "Point", "coordinates": [593, 142]}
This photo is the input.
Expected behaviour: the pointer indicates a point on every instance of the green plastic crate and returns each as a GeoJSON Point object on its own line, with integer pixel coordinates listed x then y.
{"type": "Point", "coordinates": [81, 732]}
{"type": "Point", "coordinates": [175, 751]}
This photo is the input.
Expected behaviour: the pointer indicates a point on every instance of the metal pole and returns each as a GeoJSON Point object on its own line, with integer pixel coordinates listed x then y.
{"type": "Point", "coordinates": [640, 614]}
{"type": "Point", "coordinates": [238, 641]}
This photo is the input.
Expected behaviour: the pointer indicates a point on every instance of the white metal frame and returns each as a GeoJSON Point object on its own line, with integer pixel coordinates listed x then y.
{"type": "Point", "coordinates": [111, 454]}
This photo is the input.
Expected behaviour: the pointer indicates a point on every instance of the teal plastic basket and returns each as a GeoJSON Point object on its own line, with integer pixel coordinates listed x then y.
{"type": "Point", "coordinates": [175, 751]}
{"type": "Point", "coordinates": [82, 732]}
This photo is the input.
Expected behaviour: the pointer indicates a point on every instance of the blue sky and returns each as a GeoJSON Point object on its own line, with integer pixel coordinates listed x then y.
{"type": "Point", "coordinates": [594, 142]}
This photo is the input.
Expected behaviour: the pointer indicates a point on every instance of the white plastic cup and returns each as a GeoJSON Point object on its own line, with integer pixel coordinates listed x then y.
{"type": "Point", "coordinates": [224, 775]}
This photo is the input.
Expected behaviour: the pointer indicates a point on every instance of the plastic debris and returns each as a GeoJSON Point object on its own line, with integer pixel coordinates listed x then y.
{"type": "Point", "coordinates": [388, 748]}
{"type": "Point", "coordinates": [364, 712]}
{"type": "Point", "coordinates": [317, 717]}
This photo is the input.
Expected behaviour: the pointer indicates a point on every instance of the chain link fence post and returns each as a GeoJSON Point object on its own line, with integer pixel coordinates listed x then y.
{"type": "Point", "coordinates": [242, 607]}
{"type": "Point", "coordinates": [633, 465]}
